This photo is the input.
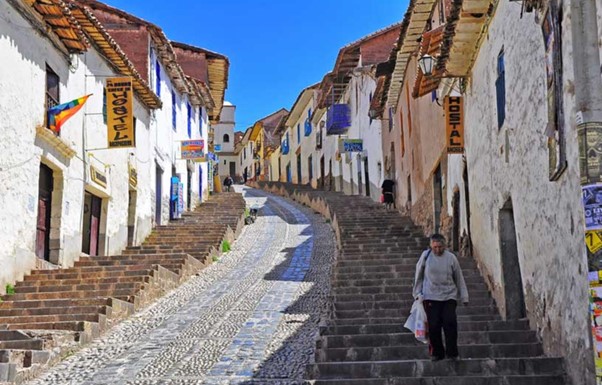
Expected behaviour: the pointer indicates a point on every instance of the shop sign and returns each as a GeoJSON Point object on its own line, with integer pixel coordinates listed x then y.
{"type": "Point", "coordinates": [120, 113]}
{"type": "Point", "coordinates": [98, 177]}
{"type": "Point", "coordinates": [454, 123]}
{"type": "Point", "coordinates": [193, 149]}
{"type": "Point", "coordinates": [593, 241]}
{"type": "Point", "coordinates": [351, 145]}
{"type": "Point", "coordinates": [217, 147]}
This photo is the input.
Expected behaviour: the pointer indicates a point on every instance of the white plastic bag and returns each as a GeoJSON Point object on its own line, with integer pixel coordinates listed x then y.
{"type": "Point", "coordinates": [416, 322]}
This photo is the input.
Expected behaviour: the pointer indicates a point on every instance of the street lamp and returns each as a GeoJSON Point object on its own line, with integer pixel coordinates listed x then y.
{"type": "Point", "coordinates": [426, 64]}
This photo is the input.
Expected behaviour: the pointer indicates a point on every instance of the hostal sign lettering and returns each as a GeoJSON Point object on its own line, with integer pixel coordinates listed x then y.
{"type": "Point", "coordinates": [454, 122]}
{"type": "Point", "coordinates": [120, 116]}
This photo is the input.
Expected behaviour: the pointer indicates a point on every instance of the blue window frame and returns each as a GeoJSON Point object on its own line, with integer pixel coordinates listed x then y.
{"type": "Point", "coordinates": [308, 123]}
{"type": "Point", "coordinates": [189, 119]}
{"type": "Point", "coordinates": [173, 110]}
{"type": "Point", "coordinates": [201, 121]}
{"type": "Point", "coordinates": [157, 78]}
{"type": "Point", "coordinates": [500, 89]}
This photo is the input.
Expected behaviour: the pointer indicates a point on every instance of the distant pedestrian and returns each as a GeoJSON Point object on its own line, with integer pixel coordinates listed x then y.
{"type": "Point", "coordinates": [388, 197]}
{"type": "Point", "coordinates": [228, 182]}
{"type": "Point", "coordinates": [244, 176]}
{"type": "Point", "coordinates": [440, 283]}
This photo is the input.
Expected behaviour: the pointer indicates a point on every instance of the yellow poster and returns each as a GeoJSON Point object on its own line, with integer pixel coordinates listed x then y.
{"type": "Point", "coordinates": [454, 123]}
{"type": "Point", "coordinates": [593, 240]}
{"type": "Point", "coordinates": [120, 113]}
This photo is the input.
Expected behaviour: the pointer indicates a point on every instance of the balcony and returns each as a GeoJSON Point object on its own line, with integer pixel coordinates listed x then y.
{"type": "Point", "coordinates": [338, 119]}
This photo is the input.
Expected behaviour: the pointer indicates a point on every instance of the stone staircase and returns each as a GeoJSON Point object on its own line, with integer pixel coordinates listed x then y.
{"type": "Point", "coordinates": [89, 297]}
{"type": "Point", "coordinates": [364, 342]}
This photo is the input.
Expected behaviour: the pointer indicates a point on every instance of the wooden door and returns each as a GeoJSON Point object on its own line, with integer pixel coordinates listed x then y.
{"type": "Point", "coordinates": [96, 205]}
{"type": "Point", "coordinates": [44, 211]}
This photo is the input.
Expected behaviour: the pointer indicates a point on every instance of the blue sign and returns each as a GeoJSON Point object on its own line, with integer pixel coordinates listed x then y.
{"type": "Point", "coordinates": [175, 181]}
{"type": "Point", "coordinates": [338, 119]}
{"type": "Point", "coordinates": [217, 147]}
{"type": "Point", "coordinates": [307, 127]}
{"type": "Point", "coordinates": [353, 145]}
{"type": "Point", "coordinates": [285, 147]}
{"type": "Point", "coordinates": [212, 157]}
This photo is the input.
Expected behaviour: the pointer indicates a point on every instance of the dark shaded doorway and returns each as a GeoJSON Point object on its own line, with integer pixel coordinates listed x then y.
{"type": "Point", "coordinates": [513, 283]}
{"type": "Point", "coordinates": [456, 221]}
{"type": "Point", "coordinates": [45, 187]}
{"type": "Point", "coordinates": [132, 200]}
{"type": "Point", "coordinates": [233, 169]}
{"type": "Point", "coordinates": [437, 198]}
{"type": "Point", "coordinates": [367, 176]}
{"type": "Point", "coordinates": [91, 229]}
{"type": "Point", "coordinates": [322, 176]}
{"type": "Point", "coordinates": [158, 193]}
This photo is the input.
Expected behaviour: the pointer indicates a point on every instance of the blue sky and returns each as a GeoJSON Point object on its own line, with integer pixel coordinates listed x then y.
{"type": "Point", "coordinates": [276, 48]}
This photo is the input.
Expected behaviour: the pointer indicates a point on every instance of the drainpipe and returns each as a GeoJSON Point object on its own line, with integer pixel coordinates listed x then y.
{"type": "Point", "coordinates": [586, 61]}
{"type": "Point", "coordinates": [588, 94]}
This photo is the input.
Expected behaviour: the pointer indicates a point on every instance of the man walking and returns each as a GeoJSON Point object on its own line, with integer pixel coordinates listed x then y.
{"type": "Point", "coordinates": [439, 281]}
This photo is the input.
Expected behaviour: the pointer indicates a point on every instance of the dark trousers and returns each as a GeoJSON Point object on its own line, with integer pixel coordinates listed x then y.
{"type": "Point", "coordinates": [442, 314]}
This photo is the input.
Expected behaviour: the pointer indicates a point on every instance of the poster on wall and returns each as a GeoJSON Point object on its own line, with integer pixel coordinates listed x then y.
{"type": "Point", "coordinates": [592, 206]}
{"type": "Point", "coordinates": [590, 152]}
{"type": "Point", "coordinates": [595, 301]}
{"type": "Point", "coordinates": [193, 149]}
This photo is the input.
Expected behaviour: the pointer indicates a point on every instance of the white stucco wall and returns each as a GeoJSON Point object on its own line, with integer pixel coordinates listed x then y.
{"type": "Point", "coordinates": [548, 215]}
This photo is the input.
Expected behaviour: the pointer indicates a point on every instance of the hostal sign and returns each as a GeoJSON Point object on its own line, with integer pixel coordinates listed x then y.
{"type": "Point", "coordinates": [454, 122]}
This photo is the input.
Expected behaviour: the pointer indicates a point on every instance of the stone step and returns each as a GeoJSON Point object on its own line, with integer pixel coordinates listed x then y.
{"type": "Point", "coordinates": [402, 289]}
{"type": "Point", "coordinates": [92, 269]}
{"type": "Point", "coordinates": [55, 303]}
{"type": "Point", "coordinates": [463, 326]}
{"type": "Point", "coordinates": [73, 294]}
{"type": "Point", "coordinates": [41, 319]}
{"type": "Point", "coordinates": [79, 287]}
{"type": "Point", "coordinates": [396, 313]}
{"type": "Point", "coordinates": [464, 380]}
{"type": "Point", "coordinates": [77, 274]}
{"type": "Point", "coordinates": [392, 264]}
{"type": "Point", "coordinates": [74, 326]}
{"type": "Point", "coordinates": [150, 261]}
{"type": "Point", "coordinates": [476, 297]}
{"type": "Point", "coordinates": [82, 281]}
{"type": "Point", "coordinates": [407, 338]}
{"type": "Point", "coordinates": [29, 344]}
{"type": "Point", "coordinates": [421, 352]}
{"type": "Point", "coordinates": [404, 274]}
{"type": "Point", "coordinates": [400, 320]}
{"type": "Point", "coordinates": [33, 311]}
{"type": "Point", "coordinates": [474, 282]}
{"type": "Point", "coordinates": [398, 304]}
{"type": "Point", "coordinates": [446, 368]}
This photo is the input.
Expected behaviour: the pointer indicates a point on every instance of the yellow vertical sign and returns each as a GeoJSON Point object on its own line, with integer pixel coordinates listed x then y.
{"type": "Point", "coordinates": [454, 123]}
{"type": "Point", "coordinates": [120, 113]}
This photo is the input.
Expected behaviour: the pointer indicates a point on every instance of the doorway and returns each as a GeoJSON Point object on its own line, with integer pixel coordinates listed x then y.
{"type": "Point", "coordinates": [158, 193]}
{"type": "Point", "coordinates": [310, 168]}
{"type": "Point", "coordinates": [511, 272]}
{"type": "Point", "coordinates": [322, 176]}
{"type": "Point", "coordinates": [189, 189]}
{"type": "Point", "coordinates": [233, 169]}
{"type": "Point", "coordinates": [456, 221]}
{"type": "Point", "coordinates": [91, 225]}
{"type": "Point", "coordinates": [132, 200]}
{"type": "Point", "coordinates": [367, 176]}
{"type": "Point", "coordinates": [299, 169]}
{"type": "Point", "coordinates": [289, 174]}
{"type": "Point", "coordinates": [359, 174]}
{"type": "Point", "coordinates": [467, 198]}
{"type": "Point", "coordinates": [45, 188]}
{"type": "Point", "coordinates": [437, 198]}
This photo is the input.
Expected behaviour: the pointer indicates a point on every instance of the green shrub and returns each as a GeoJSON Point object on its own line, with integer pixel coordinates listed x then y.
{"type": "Point", "coordinates": [215, 258]}
{"type": "Point", "coordinates": [10, 289]}
{"type": "Point", "coordinates": [225, 246]}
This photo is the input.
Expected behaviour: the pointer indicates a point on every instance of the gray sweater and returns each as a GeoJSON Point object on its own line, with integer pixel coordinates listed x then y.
{"type": "Point", "coordinates": [442, 278]}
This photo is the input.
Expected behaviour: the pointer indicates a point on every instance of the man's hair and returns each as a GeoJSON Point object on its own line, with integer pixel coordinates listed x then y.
{"type": "Point", "coordinates": [438, 238]}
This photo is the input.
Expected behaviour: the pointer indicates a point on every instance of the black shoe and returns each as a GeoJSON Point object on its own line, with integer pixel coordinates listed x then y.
{"type": "Point", "coordinates": [435, 358]}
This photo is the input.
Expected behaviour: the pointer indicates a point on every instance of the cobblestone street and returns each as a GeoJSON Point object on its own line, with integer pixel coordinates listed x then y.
{"type": "Point", "coordinates": [249, 318]}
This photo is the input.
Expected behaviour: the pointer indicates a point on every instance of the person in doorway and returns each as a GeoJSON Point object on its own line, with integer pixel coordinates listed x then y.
{"type": "Point", "coordinates": [244, 176]}
{"type": "Point", "coordinates": [387, 191]}
{"type": "Point", "coordinates": [228, 182]}
{"type": "Point", "coordinates": [440, 283]}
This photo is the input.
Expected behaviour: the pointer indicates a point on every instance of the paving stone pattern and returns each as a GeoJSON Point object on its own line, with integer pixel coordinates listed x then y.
{"type": "Point", "coordinates": [250, 318]}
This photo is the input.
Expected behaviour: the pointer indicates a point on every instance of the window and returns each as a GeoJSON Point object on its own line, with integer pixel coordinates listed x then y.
{"type": "Point", "coordinates": [500, 90]}
{"type": "Point", "coordinates": [244, 153]}
{"type": "Point", "coordinates": [104, 105]}
{"type": "Point", "coordinates": [189, 119]}
{"type": "Point", "coordinates": [226, 138]}
{"type": "Point", "coordinates": [441, 12]}
{"type": "Point", "coordinates": [173, 110]}
{"type": "Point", "coordinates": [310, 166]}
{"type": "Point", "coordinates": [298, 133]}
{"type": "Point", "coordinates": [201, 121]}
{"type": "Point", "coordinates": [158, 78]}
{"type": "Point", "coordinates": [52, 89]}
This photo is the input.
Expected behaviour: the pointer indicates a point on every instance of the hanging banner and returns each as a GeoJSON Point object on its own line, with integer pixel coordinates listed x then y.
{"type": "Point", "coordinates": [193, 149]}
{"type": "Point", "coordinates": [454, 123]}
{"type": "Point", "coordinates": [120, 113]}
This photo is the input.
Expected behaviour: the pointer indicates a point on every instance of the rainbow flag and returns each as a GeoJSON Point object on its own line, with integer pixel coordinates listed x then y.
{"type": "Point", "coordinates": [58, 115]}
